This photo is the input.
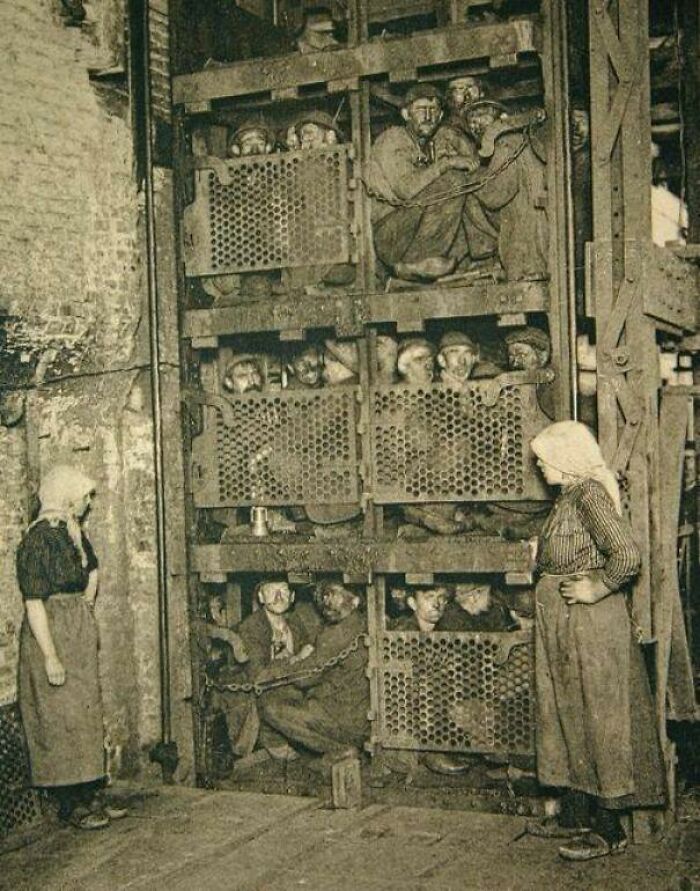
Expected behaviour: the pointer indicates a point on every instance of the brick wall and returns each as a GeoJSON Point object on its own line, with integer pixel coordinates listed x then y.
{"type": "Point", "coordinates": [72, 278]}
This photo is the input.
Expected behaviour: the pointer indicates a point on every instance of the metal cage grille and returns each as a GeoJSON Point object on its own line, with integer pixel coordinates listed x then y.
{"type": "Point", "coordinates": [277, 211]}
{"type": "Point", "coordinates": [449, 691]}
{"type": "Point", "coordinates": [292, 447]}
{"type": "Point", "coordinates": [19, 804]}
{"type": "Point", "coordinates": [438, 443]}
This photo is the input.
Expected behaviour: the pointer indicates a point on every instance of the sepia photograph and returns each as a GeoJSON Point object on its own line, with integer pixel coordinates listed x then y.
{"type": "Point", "coordinates": [349, 445]}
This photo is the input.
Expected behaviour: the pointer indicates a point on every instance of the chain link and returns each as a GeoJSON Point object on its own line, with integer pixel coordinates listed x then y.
{"type": "Point", "coordinates": [260, 687]}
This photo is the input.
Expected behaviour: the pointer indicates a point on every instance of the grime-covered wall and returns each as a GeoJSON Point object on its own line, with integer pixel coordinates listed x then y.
{"type": "Point", "coordinates": [74, 345]}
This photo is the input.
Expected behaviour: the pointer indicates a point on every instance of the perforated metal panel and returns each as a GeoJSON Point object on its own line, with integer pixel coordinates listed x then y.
{"type": "Point", "coordinates": [294, 447]}
{"type": "Point", "coordinates": [442, 444]}
{"type": "Point", "coordinates": [277, 211]}
{"type": "Point", "coordinates": [449, 691]}
{"type": "Point", "coordinates": [19, 804]}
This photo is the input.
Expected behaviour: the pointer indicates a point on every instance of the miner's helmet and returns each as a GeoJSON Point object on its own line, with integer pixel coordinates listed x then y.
{"type": "Point", "coordinates": [321, 119]}
{"type": "Point", "coordinates": [457, 339]}
{"type": "Point", "coordinates": [536, 337]}
{"type": "Point", "coordinates": [253, 123]}
{"type": "Point", "coordinates": [498, 107]}
{"type": "Point", "coordinates": [319, 20]}
{"type": "Point", "coordinates": [421, 91]}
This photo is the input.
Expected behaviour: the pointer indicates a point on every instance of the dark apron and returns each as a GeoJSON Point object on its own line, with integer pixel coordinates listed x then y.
{"type": "Point", "coordinates": [63, 725]}
{"type": "Point", "coordinates": [596, 729]}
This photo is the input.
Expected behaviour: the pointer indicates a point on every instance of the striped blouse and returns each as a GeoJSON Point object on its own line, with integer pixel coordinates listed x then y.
{"type": "Point", "coordinates": [585, 532]}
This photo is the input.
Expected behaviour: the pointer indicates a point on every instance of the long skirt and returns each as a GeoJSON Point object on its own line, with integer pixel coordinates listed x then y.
{"type": "Point", "coordinates": [596, 729]}
{"type": "Point", "coordinates": [63, 725]}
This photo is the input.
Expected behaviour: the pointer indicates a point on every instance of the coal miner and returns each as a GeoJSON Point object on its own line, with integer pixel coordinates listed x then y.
{"type": "Point", "coordinates": [459, 359]}
{"type": "Point", "coordinates": [529, 349]}
{"type": "Point", "coordinates": [477, 606]}
{"type": "Point", "coordinates": [314, 129]}
{"type": "Point", "coordinates": [513, 197]}
{"type": "Point", "coordinates": [253, 136]}
{"type": "Point", "coordinates": [416, 366]}
{"type": "Point", "coordinates": [306, 368]}
{"type": "Point", "coordinates": [330, 714]}
{"type": "Point", "coordinates": [274, 634]}
{"type": "Point", "coordinates": [417, 176]}
{"type": "Point", "coordinates": [243, 374]}
{"type": "Point", "coordinates": [461, 92]}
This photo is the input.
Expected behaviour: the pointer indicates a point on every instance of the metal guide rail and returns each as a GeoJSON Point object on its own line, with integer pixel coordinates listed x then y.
{"type": "Point", "coordinates": [288, 447]}
{"type": "Point", "coordinates": [440, 443]}
{"type": "Point", "coordinates": [269, 212]}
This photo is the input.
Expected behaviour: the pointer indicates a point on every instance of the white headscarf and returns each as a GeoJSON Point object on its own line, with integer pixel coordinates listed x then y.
{"type": "Point", "coordinates": [60, 492]}
{"type": "Point", "coordinates": [571, 448]}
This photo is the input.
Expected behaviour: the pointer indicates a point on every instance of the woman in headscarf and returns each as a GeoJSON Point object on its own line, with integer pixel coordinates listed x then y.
{"type": "Point", "coordinates": [59, 690]}
{"type": "Point", "coordinates": [596, 732]}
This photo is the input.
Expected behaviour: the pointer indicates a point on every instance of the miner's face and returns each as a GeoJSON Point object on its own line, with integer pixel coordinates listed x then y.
{"type": "Point", "coordinates": [253, 142]}
{"type": "Point", "coordinates": [419, 368]}
{"type": "Point", "coordinates": [479, 120]}
{"type": "Point", "coordinates": [337, 603]}
{"type": "Point", "coordinates": [423, 116]}
{"type": "Point", "coordinates": [313, 136]}
{"type": "Point", "coordinates": [459, 361]}
{"type": "Point", "coordinates": [276, 597]}
{"type": "Point", "coordinates": [428, 604]}
{"type": "Point", "coordinates": [308, 367]}
{"type": "Point", "coordinates": [526, 357]}
{"type": "Point", "coordinates": [462, 94]}
{"type": "Point", "coordinates": [473, 599]}
{"type": "Point", "coordinates": [242, 378]}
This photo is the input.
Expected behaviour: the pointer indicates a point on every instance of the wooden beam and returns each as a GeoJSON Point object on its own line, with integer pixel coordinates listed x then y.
{"type": "Point", "coordinates": [442, 46]}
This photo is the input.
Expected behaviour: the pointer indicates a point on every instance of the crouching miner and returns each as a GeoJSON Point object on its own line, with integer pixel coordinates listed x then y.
{"type": "Point", "coordinates": [332, 717]}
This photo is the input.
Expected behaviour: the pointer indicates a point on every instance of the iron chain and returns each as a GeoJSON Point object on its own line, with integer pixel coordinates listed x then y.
{"type": "Point", "coordinates": [260, 687]}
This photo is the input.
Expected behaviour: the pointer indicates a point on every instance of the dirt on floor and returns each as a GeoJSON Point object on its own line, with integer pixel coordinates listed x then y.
{"type": "Point", "coordinates": [189, 839]}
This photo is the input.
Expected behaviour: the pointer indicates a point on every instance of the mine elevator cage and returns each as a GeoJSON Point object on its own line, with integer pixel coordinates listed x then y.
{"type": "Point", "coordinates": [285, 213]}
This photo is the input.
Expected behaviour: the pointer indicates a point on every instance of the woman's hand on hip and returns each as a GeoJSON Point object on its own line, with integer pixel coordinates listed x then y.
{"type": "Point", "coordinates": [55, 671]}
{"type": "Point", "coordinates": [583, 589]}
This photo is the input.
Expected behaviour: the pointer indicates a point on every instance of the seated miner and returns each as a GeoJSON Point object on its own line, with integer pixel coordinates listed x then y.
{"type": "Point", "coordinates": [512, 192]}
{"type": "Point", "coordinates": [461, 92]}
{"type": "Point", "coordinates": [317, 33]}
{"type": "Point", "coordinates": [305, 369]}
{"type": "Point", "coordinates": [314, 129]}
{"type": "Point", "coordinates": [529, 348]}
{"type": "Point", "coordinates": [477, 606]}
{"type": "Point", "coordinates": [253, 136]}
{"type": "Point", "coordinates": [418, 203]}
{"type": "Point", "coordinates": [416, 361]}
{"type": "Point", "coordinates": [459, 359]}
{"type": "Point", "coordinates": [223, 647]}
{"type": "Point", "coordinates": [428, 606]}
{"type": "Point", "coordinates": [329, 716]}
{"type": "Point", "coordinates": [387, 357]}
{"type": "Point", "coordinates": [416, 366]}
{"type": "Point", "coordinates": [425, 606]}
{"type": "Point", "coordinates": [243, 374]}
{"type": "Point", "coordinates": [274, 635]}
